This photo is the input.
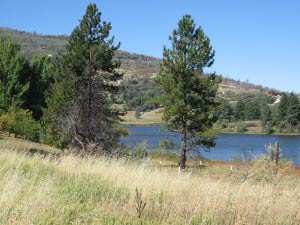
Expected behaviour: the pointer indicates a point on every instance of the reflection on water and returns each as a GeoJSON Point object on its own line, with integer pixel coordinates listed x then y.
{"type": "Point", "coordinates": [228, 146]}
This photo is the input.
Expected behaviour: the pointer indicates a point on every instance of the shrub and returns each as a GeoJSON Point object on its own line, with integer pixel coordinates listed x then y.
{"type": "Point", "coordinates": [241, 128]}
{"type": "Point", "coordinates": [268, 128]}
{"type": "Point", "coordinates": [21, 123]}
{"type": "Point", "coordinates": [138, 114]}
{"type": "Point", "coordinates": [167, 145]}
{"type": "Point", "coordinates": [7, 121]}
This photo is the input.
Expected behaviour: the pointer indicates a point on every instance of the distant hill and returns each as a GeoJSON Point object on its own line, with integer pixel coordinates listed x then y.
{"type": "Point", "coordinates": [134, 66]}
{"type": "Point", "coordinates": [35, 44]}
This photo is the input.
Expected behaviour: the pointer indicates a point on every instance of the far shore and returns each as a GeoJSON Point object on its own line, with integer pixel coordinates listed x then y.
{"type": "Point", "coordinates": [220, 132]}
{"type": "Point", "coordinates": [154, 118]}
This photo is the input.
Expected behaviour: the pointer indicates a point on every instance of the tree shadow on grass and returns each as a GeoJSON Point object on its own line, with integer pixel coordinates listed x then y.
{"type": "Point", "coordinates": [42, 153]}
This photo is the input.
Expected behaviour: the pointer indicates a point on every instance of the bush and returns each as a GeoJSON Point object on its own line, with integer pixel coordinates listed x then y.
{"type": "Point", "coordinates": [167, 145]}
{"type": "Point", "coordinates": [21, 123]}
{"type": "Point", "coordinates": [138, 114]}
{"type": "Point", "coordinates": [222, 123]}
{"type": "Point", "coordinates": [241, 128]}
{"type": "Point", "coordinates": [6, 122]}
{"type": "Point", "coordinates": [268, 128]}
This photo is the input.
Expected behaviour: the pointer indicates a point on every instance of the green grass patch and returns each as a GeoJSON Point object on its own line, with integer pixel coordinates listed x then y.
{"type": "Point", "coordinates": [164, 154]}
{"type": "Point", "coordinates": [36, 192]}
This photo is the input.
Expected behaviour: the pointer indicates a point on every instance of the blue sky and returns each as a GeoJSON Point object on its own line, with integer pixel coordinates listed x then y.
{"type": "Point", "coordinates": [254, 40]}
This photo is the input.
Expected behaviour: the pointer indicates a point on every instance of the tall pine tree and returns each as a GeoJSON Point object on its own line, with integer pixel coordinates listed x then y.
{"type": "Point", "coordinates": [288, 113]}
{"type": "Point", "coordinates": [83, 95]}
{"type": "Point", "coordinates": [293, 110]}
{"type": "Point", "coordinates": [189, 103]}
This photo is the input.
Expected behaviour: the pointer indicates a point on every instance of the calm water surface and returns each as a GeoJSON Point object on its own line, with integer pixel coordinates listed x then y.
{"type": "Point", "coordinates": [228, 146]}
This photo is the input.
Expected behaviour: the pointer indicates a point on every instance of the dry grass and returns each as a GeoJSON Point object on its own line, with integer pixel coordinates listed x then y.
{"type": "Point", "coordinates": [148, 118]}
{"type": "Point", "coordinates": [76, 190]}
{"type": "Point", "coordinates": [23, 146]}
{"type": "Point", "coordinates": [237, 89]}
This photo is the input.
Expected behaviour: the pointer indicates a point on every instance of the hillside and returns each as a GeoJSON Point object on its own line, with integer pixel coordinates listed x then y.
{"type": "Point", "coordinates": [35, 44]}
{"type": "Point", "coordinates": [141, 95]}
{"type": "Point", "coordinates": [134, 66]}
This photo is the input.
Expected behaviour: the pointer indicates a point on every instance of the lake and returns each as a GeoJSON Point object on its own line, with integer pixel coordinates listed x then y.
{"type": "Point", "coordinates": [228, 146]}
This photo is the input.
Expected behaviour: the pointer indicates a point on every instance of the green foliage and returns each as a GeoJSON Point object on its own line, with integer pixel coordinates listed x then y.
{"type": "Point", "coordinates": [13, 72]}
{"type": "Point", "coordinates": [41, 77]}
{"type": "Point", "coordinates": [268, 127]}
{"type": "Point", "coordinates": [137, 114]}
{"type": "Point", "coordinates": [265, 115]}
{"type": "Point", "coordinates": [81, 100]}
{"type": "Point", "coordinates": [57, 99]}
{"type": "Point", "coordinates": [21, 123]}
{"type": "Point", "coordinates": [22, 90]}
{"type": "Point", "coordinates": [141, 94]}
{"type": "Point", "coordinates": [267, 120]}
{"type": "Point", "coordinates": [239, 110]}
{"type": "Point", "coordinates": [225, 113]}
{"type": "Point", "coordinates": [248, 106]}
{"type": "Point", "coordinates": [167, 145]}
{"type": "Point", "coordinates": [287, 115]}
{"type": "Point", "coordinates": [26, 126]}
{"type": "Point", "coordinates": [241, 127]}
{"type": "Point", "coordinates": [247, 109]}
{"type": "Point", "coordinates": [6, 122]}
{"type": "Point", "coordinates": [189, 101]}
{"type": "Point", "coordinates": [282, 108]}
{"type": "Point", "coordinates": [293, 110]}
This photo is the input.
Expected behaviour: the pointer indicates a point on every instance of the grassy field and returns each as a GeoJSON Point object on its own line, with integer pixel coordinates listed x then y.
{"type": "Point", "coordinates": [40, 185]}
{"type": "Point", "coordinates": [148, 118]}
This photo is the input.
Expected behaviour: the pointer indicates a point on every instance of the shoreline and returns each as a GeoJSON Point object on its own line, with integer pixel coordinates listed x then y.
{"type": "Point", "coordinates": [220, 132]}
{"type": "Point", "coordinates": [261, 133]}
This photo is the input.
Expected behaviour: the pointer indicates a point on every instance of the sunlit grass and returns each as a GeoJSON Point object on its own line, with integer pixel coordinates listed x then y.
{"type": "Point", "coordinates": [148, 118]}
{"type": "Point", "coordinates": [70, 189]}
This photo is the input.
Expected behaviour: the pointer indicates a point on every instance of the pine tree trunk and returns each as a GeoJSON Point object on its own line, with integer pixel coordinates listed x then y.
{"type": "Point", "coordinates": [277, 153]}
{"type": "Point", "coordinates": [183, 148]}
